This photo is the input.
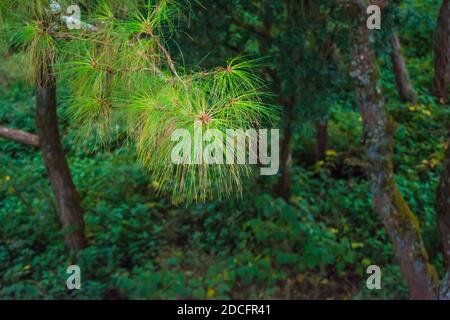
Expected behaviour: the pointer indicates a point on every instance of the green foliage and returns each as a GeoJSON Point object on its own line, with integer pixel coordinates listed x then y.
{"type": "Point", "coordinates": [317, 244]}
{"type": "Point", "coordinates": [123, 82]}
{"type": "Point", "coordinates": [141, 246]}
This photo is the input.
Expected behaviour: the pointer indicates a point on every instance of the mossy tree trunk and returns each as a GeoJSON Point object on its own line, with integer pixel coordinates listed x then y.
{"type": "Point", "coordinates": [69, 207]}
{"type": "Point", "coordinates": [402, 80]}
{"type": "Point", "coordinates": [442, 53]}
{"type": "Point", "coordinates": [400, 223]}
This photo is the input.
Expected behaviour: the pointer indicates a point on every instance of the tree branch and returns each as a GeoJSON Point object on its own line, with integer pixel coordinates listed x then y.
{"type": "Point", "coordinates": [169, 60]}
{"type": "Point", "coordinates": [20, 136]}
{"type": "Point", "coordinates": [249, 27]}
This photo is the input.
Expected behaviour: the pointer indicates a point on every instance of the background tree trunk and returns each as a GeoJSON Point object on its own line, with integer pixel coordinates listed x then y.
{"type": "Point", "coordinates": [400, 223]}
{"type": "Point", "coordinates": [444, 291]}
{"type": "Point", "coordinates": [402, 80]}
{"type": "Point", "coordinates": [285, 182]}
{"type": "Point", "coordinates": [70, 211]}
{"type": "Point", "coordinates": [321, 139]}
{"type": "Point", "coordinates": [442, 53]}
{"type": "Point", "coordinates": [441, 82]}
{"type": "Point", "coordinates": [443, 208]}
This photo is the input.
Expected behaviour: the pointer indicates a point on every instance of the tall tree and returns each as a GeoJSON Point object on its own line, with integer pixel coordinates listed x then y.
{"type": "Point", "coordinates": [443, 208]}
{"type": "Point", "coordinates": [37, 39]}
{"type": "Point", "coordinates": [400, 223]}
{"type": "Point", "coordinates": [442, 54]}
{"type": "Point", "coordinates": [66, 195]}
{"type": "Point", "coordinates": [441, 83]}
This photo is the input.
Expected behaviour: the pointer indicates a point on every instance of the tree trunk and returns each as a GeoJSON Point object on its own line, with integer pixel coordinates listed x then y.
{"type": "Point", "coordinates": [443, 208]}
{"type": "Point", "coordinates": [19, 136]}
{"type": "Point", "coordinates": [321, 139]}
{"type": "Point", "coordinates": [401, 224]}
{"type": "Point", "coordinates": [444, 291]}
{"type": "Point", "coordinates": [402, 80]}
{"type": "Point", "coordinates": [285, 182]}
{"type": "Point", "coordinates": [441, 83]}
{"type": "Point", "coordinates": [70, 211]}
{"type": "Point", "coordinates": [442, 54]}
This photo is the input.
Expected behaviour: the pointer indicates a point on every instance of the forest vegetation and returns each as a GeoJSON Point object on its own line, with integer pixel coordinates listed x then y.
{"type": "Point", "coordinates": [86, 116]}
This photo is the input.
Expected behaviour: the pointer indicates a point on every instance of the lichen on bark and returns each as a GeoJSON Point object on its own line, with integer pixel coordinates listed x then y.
{"type": "Point", "coordinates": [401, 224]}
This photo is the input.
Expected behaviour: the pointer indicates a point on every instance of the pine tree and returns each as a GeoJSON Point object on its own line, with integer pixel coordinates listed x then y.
{"type": "Point", "coordinates": [31, 26]}
{"type": "Point", "coordinates": [124, 82]}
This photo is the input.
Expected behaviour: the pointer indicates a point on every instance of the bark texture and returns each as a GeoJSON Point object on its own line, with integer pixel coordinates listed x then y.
{"type": "Point", "coordinates": [285, 182]}
{"type": "Point", "coordinates": [321, 139]}
{"type": "Point", "coordinates": [443, 208]}
{"type": "Point", "coordinates": [402, 80]}
{"type": "Point", "coordinates": [19, 136]}
{"type": "Point", "coordinates": [400, 223]}
{"type": "Point", "coordinates": [444, 292]}
{"type": "Point", "coordinates": [69, 207]}
{"type": "Point", "coordinates": [284, 188]}
{"type": "Point", "coordinates": [442, 53]}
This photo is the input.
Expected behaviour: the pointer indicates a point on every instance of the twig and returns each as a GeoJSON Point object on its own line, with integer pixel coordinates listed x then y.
{"type": "Point", "coordinates": [169, 60]}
